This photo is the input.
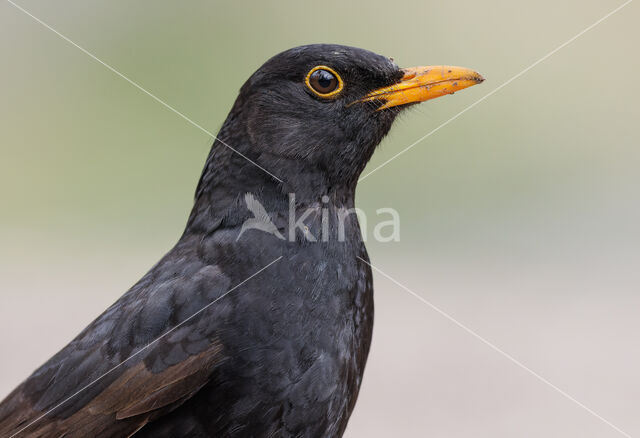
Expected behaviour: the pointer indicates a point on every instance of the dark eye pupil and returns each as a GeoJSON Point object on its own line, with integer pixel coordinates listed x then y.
{"type": "Point", "coordinates": [323, 81]}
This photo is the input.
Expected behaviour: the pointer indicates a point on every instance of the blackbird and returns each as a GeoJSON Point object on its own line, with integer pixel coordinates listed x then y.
{"type": "Point", "coordinates": [243, 329]}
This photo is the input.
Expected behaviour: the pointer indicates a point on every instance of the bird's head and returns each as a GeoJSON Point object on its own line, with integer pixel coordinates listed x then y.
{"type": "Point", "coordinates": [322, 109]}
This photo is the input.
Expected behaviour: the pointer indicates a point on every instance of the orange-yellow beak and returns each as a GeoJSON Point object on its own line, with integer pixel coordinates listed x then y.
{"type": "Point", "coordinates": [423, 83]}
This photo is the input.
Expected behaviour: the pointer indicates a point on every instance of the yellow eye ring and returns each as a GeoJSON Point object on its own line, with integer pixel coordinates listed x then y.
{"type": "Point", "coordinates": [329, 74]}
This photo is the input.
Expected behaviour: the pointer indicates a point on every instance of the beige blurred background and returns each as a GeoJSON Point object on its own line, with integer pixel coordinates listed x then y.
{"type": "Point", "coordinates": [520, 219]}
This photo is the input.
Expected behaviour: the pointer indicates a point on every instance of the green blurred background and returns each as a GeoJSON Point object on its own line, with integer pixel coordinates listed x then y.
{"type": "Point", "coordinates": [521, 218]}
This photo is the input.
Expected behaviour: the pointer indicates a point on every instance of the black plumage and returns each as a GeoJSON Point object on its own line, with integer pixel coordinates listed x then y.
{"type": "Point", "coordinates": [277, 353]}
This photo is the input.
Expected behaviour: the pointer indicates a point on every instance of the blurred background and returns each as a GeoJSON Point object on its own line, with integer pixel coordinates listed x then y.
{"type": "Point", "coordinates": [520, 219]}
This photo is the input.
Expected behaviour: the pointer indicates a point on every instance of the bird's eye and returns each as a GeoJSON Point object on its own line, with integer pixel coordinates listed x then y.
{"type": "Point", "coordinates": [324, 81]}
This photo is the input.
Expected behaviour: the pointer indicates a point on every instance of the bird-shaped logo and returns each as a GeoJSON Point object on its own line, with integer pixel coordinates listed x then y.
{"type": "Point", "coordinates": [260, 220]}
